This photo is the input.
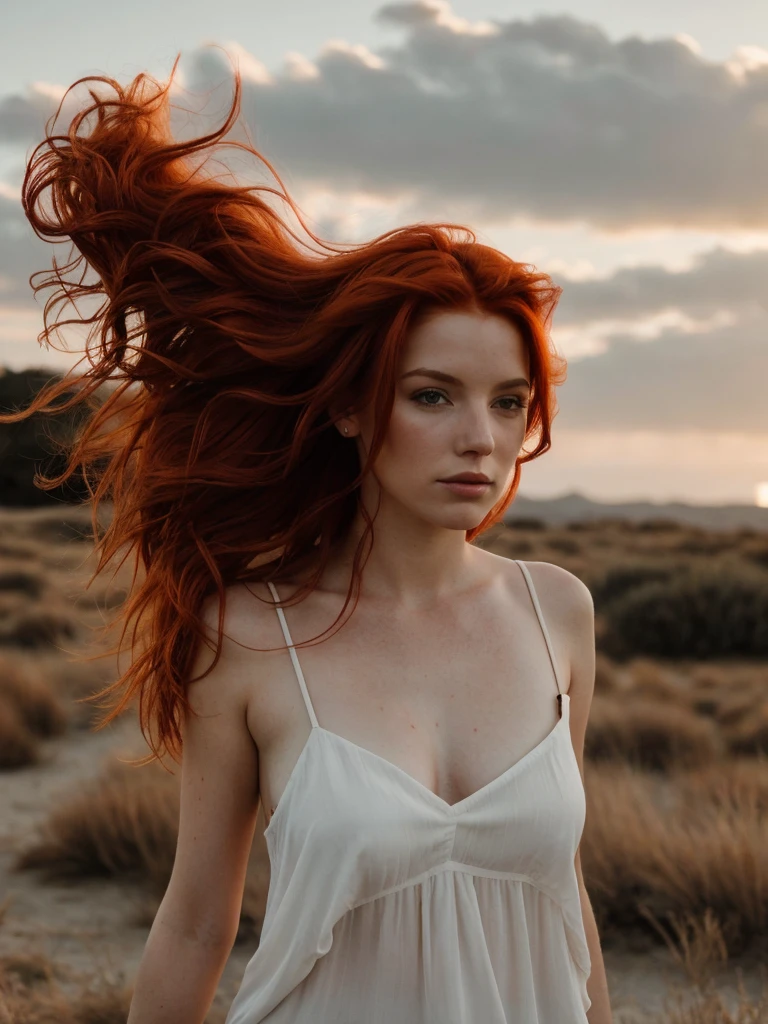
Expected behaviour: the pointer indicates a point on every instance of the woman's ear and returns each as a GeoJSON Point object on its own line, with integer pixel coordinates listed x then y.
{"type": "Point", "coordinates": [346, 423]}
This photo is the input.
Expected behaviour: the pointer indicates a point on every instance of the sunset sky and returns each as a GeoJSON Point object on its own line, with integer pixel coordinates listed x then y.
{"type": "Point", "coordinates": [622, 148]}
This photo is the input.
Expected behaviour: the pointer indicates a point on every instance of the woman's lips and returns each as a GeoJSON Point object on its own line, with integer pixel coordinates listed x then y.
{"type": "Point", "coordinates": [465, 488]}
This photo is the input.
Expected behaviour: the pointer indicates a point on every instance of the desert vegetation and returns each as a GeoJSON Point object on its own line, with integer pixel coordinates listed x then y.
{"type": "Point", "coordinates": [674, 850]}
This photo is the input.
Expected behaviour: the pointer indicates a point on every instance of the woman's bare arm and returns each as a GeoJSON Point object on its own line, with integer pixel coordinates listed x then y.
{"type": "Point", "coordinates": [196, 923]}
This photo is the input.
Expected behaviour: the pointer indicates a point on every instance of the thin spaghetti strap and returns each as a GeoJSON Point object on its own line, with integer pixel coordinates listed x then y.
{"type": "Point", "coordinates": [294, 657]}
{"type": "Point", "coordinates": [542, 623]}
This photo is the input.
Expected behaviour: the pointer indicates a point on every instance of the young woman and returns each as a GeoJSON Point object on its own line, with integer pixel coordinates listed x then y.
{"type": "Point", "coordinates": [292, 435]}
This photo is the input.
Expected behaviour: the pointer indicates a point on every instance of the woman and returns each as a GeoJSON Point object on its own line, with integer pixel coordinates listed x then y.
{"type": "Point", "coordinates": [292, 434]}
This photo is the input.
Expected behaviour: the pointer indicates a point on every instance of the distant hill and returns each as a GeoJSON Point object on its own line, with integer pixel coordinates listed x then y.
{"type": "Point", "coordinates": [575, 507]}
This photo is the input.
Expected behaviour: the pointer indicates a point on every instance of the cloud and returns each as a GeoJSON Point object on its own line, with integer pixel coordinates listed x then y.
{"type": "Point", "coordinates": [713, 381]}
{"type": "Point", "coordinates": [547, 118]}
{"type": "Point", "coordinates": [22, 118]}
{"type": "Point", "coordinates": [716, 280]}
{"type": "Point", "coordinates": [21, 252]}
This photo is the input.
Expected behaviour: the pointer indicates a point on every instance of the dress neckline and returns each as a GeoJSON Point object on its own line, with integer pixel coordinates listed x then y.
{"type": "Point", "coordinates": [404, 776]}
{"type": "Point", "coordinates": [449, 809]}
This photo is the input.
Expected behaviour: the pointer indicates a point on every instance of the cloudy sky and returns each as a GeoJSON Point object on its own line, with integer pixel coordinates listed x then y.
{"type": "Point", "coordinates": [623, 148]}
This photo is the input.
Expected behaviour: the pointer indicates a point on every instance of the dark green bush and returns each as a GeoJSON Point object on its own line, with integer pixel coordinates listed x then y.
{"type": "Point", "coordinates": [705, 611]}
{"type": "Point", "coordinates": [661, 524]}
{"type": "Point", "coordinates": [30, 445]}
{"type": "Point", "coordinates": [565, 545]}
{"type": "Point", "coordinates": [526, 523]}
{"type": "Point", "coordinates": [616, 581]}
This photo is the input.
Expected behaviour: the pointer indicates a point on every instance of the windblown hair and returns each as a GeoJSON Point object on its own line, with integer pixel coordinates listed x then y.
{"type": "Point", "coordinates": [222, 350]}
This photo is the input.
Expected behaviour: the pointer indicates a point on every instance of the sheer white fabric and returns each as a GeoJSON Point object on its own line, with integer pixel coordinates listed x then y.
{"type": "Point", "coordinates": [387, 905]}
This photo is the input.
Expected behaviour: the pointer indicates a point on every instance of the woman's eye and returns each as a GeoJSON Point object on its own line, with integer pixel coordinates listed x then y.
{"type": "Point", "coordinates": [519, 404]}
{"type": "Point", "coordinates": [431, 396]}
{"type": "Point", "coordinates": [429, 391]}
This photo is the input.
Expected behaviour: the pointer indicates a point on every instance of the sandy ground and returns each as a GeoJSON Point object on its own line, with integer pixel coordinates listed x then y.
{"type": "Point", "coordinates": [100, 927]}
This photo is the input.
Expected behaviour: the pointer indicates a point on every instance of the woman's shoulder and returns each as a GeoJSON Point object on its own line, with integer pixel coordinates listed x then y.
{"type": "Point", "coordinates": [249, 634]}
{"type": "Point", "coordinates": [553, 583]}
{"type": "Point", "coordinates": [247, 614]}
{"type": "Point", "coordinates": [565, 600]}
{"type": "Point", "coordinates": [558, 583]}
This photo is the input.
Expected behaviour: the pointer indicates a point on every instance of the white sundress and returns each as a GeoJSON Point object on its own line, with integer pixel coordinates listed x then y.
{"type": "Point", "coordinates": [388, 905]}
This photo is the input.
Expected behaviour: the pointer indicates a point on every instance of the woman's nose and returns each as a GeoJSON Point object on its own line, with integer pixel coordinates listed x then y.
{"type": "Point", "coordinates": [476, 434]}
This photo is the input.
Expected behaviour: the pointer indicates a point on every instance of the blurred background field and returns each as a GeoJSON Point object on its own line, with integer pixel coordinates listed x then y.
{"type": "Point", "coordinates": [674, 850]}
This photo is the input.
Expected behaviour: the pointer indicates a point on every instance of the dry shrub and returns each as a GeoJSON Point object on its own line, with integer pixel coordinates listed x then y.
{"type": "Point", "coordinates": [27, 582]}
{"type": "Point", "coordinates": [726, 788]}
{"type": "Point", "coordinates": [698, 945]}
{"type": "Point", "coordinates": [708, 677]}
{"type": "Point", "coordinates": [651, 680]}
{"type": "Point", "coordinates": [707, 688]}
{"type": "Point", "coordinates": [125, 823]}
{"type": "Point", "coordinates": [649, 734]}
{"type": "Point", "coordinates": [37, 705]}
{"type": "Point", "coordinates": [749, 735]}
{"type": "Point", "coordinates": [17, 549]}
{"type": "Point", "coordinates": [36, 627]}
{"type": "Point", "coordinates": [18, 747]}
{"type": "Point", "coordinates": [40, 1000]}
{"type": "Point", "coordinates": [564, 545]}
{"type": "Point", "coordinates": [26, 968]}
{"type": "Point", "coordinates": [607, 678]}
{"type": "Point", "coordinates": [51, 524]}
{"type": "Point", "coordinates": [699, 542]}
{"type": "Point", "coordinates": [624, 807]}
{"type": "Point", "coordinates": [75, 681]}
{"type": "Point", "coordinates": [690, 845]}
{"type": "Point", "coordinates": [31, 993]}
{"type": "Point", "coordinates": [709, 1007]}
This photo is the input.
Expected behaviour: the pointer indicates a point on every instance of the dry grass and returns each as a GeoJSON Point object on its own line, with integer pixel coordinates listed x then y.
{"type": "Point", "coordinates": [124, 824]}
{"type": "Point", "coordinates": [18, 747]}
{"type": "Point", "coordinates": [609, 678]}
{"type": "Point", "coordinates": [749, 734]}
{"type": "Point", "coordinates": [30, 993]}
{"type": "Point", "coordinates": [38, 707]}
{"type": "Point", "coordinates": [650, 679]}
{"type": "Point", "coordinates": [34, 991]}
{"type": "Point", "coordinates": [648, 733]}
{"type": "Point", "coordinates": [697, 943]}
{"type": "Point", "coordinates": [691, 845]}
{"type": "Point", "coordinates": [29, 711]}
{"type": "Point", "coordinates": [710, 1007]}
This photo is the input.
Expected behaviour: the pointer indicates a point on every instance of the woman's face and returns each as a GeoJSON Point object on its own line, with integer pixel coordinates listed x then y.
{"type": "Point", "coordinates": [460, 407]}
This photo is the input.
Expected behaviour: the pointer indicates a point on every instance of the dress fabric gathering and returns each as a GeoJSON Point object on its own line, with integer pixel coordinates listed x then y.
{"type": "Point", "coordinates": [388, 905]}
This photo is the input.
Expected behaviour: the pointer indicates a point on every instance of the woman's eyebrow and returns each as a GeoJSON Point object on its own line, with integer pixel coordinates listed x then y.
{"type": "Point", "coordinates": [422, 371]}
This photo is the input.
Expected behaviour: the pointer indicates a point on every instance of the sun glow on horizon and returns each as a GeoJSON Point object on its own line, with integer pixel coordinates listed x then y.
{"type": "Point", "coordinates": [761, 494]}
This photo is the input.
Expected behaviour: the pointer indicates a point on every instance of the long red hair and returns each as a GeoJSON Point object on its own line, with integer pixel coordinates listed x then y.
{"type": "Point", "coordinates": [221, 349]}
